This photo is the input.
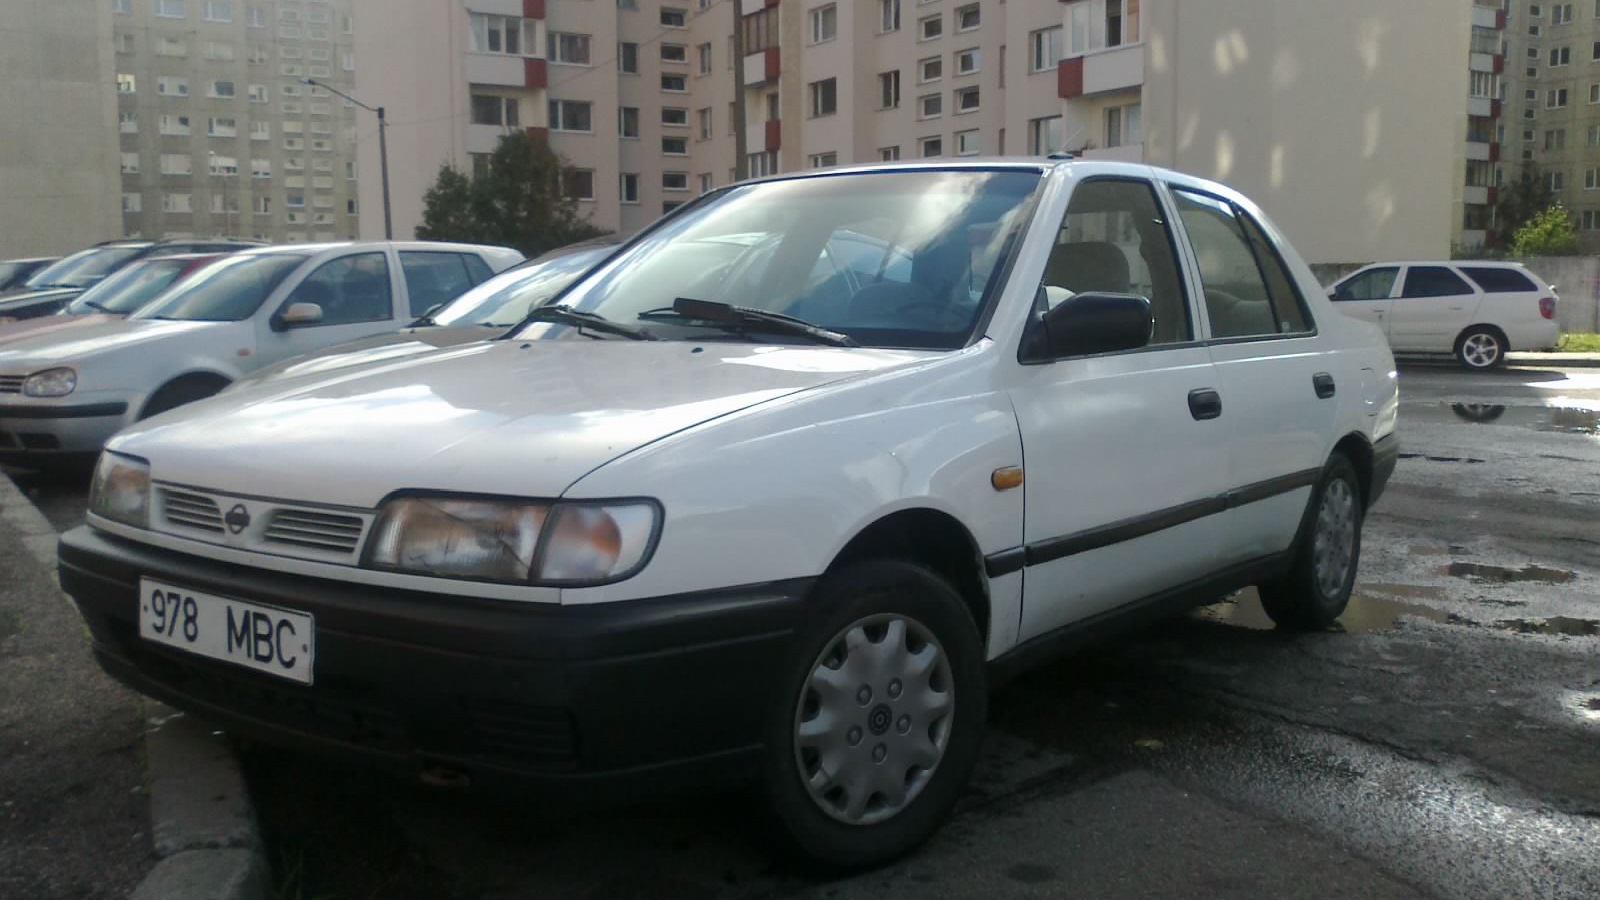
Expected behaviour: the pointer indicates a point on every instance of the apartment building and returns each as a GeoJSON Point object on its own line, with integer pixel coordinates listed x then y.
{"type": "Point", "coordinates": [58, 163]}
{"type": "Point", "coordinates": [1346, 127]}
{"type": "Point", "coordinates": [220, 134]}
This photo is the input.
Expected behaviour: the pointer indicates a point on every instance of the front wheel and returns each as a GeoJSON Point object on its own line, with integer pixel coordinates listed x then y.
{"type": "Point", "coordinates": [1481, 348]}
{"type": "Point", "coordinates": [882, 712]}
{"type": "Point", "coordinates": [1313, 594]}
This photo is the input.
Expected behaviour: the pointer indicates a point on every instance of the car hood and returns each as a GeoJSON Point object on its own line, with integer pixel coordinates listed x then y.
{"type": "Point", "coordinates": [25, 298]}
{"type": "Point", "coordinates": [518, 418]}
{"type": "Point", "coordinates": [375, 349]}
{"type": "Point", "coordinates": [11, 332]}
{"type": "Point", "coordinates": [71, 344]}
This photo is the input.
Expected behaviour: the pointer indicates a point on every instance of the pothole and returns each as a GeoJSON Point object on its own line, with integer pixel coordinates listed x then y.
{"type": "Point", "coordinates": [1487, 574]}
{"type": "Point", "coordinates": [1584, 706]}
{"type": "Point", "coordinates": [1560, 625]}
{"type": "Point", "coordinates": [1374, 609]}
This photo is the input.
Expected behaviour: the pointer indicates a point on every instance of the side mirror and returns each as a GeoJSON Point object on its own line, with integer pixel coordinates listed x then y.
{"type": "Point", "coordinates": [1090, 323]}
{"type": "Point", "coordinates": [297, 315]}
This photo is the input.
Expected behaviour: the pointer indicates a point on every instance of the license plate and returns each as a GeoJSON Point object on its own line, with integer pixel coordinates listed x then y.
{"type": "Point", "coordinates": [265, 638]}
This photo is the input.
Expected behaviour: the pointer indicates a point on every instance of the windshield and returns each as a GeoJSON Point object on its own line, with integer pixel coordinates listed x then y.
{"type": "Point", "coordinates": [505, 299]}
{"type": "Point", "coordinates": [83, 268]}
{"type": "Point", "coordinates": [229, 290]}
{"type": "Point", "coordinates": [129, 288]}
{"type": "Point", "coordinates": [890, 259]}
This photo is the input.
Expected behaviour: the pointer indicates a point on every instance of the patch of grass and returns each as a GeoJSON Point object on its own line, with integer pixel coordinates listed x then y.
{"type": "Point", "coordinates": [1579, 342]}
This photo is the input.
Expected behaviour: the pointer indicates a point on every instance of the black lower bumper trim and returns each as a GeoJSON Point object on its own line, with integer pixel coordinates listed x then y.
{"type": "Point", "coordinates": [569, 695]}
{"type": "Point", "coordinates": [81, 411]}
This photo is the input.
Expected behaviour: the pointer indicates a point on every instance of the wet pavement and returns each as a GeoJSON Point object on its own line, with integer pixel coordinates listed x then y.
{"type": "Point", "coordinates": [1444, 741]}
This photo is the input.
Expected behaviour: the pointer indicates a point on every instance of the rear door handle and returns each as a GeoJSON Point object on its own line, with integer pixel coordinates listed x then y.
{"type": "Point", "coordinates": [1322, 382]}
{"type": "Point", "coordinates": [1205, 403]}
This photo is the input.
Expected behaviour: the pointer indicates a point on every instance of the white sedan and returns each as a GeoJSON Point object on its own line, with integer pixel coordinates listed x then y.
{"type": "Point", "coordinates": [724, 513]}
{"type": "Point", "coordinates": [64, 392]}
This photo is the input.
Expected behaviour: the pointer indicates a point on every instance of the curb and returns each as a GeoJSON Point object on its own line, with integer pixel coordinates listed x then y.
{"type": "Point", "coordinates": [1555, 360]}
{"type": "Point", "coordinates": [206, 840]}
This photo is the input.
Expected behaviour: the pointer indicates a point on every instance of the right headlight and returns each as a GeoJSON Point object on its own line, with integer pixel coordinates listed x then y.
{"type": "Point", "coordinates": [120, 490]}
{"type": "Point", "coordinates": [516, 542]}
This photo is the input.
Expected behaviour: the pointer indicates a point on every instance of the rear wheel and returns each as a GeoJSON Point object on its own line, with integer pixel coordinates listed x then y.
{"type": "Point", "coordinates": [881, 715]}
{"type": "Point", "coordinates": [1313, 594]}
{"type": "Point", "coordinates": [1481, 348]}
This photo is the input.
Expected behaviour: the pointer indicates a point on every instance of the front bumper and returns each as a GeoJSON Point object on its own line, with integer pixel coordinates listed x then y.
{"type": "Point", "coordinates": [35, 430]}
{"type": "Point", "coordinates": [630, 697]}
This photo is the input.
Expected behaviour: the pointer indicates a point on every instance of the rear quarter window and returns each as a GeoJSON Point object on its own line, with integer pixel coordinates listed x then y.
{"type": "Point", "coordinates": [1495, 280]}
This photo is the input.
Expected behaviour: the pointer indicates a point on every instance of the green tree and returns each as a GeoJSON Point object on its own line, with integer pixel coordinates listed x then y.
{"type": "Point", "coordinates": [526, 199]}
{"type": "Point", "coordinates": [1521, 199]}
{"type": "Point", "coordinates": [1550, 233]}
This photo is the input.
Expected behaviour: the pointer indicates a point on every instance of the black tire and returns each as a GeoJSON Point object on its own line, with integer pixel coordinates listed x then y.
{"type": "Point", "coordinates": [844, 598]}
{"type": "Point", "coordinates": [1481, 348]}
{"type": "Point", "coordinates": [177, 393]}
{"type": "Point", "coordinates": [1302, 599]}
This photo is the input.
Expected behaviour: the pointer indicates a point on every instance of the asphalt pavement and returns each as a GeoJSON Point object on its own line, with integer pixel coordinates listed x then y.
{"type": "Point", "coordinates": [1445, 743]}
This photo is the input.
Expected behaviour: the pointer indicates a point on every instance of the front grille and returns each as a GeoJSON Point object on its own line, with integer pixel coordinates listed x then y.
{"type": "Point", "coordinates": [12, 384]}
{"type": "Point", "coordinates": [189, 510]}
{"type": "Point", "coordinates": [317, 530]}
{"type": "Point", "coordinates": [530, 735]}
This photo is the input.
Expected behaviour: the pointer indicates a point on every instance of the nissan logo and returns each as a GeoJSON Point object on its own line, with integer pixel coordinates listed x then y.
{"type": "Point", "coordinates": [238, 518]}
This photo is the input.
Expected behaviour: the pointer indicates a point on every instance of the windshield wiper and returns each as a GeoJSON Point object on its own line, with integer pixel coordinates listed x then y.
{"type": "Point", "coordinates": [93, 305]}
{"type": "Point", "coordinates": [744, 318]}
{"type": "Point", "coordinates": [566, 315]}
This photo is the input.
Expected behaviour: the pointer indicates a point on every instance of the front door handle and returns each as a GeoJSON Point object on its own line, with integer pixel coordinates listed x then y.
{"type": "Point", "coordinates": [1205, 403]}
{"type": "Point", "coordinates": [1322, 382]}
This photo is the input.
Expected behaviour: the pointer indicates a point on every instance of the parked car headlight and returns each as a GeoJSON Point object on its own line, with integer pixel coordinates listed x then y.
{"type": "Point", "coordinates": [516, 542]}
{"type": "Point", "coordinates": [120, 490]}
{"type": "Point", "coordinates": [51, 383]}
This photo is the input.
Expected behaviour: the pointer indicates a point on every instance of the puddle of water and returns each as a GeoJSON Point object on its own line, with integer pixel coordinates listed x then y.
{"type": "Point", "coordinates": [1554, 625]}
{"type": "Point", "coordinates": [1487, 574]}
{"type": "Point", "coordinates": [1469, 460]}
{"type": "Point", "coordinates": [1373, 609]}
{"type": "Point", "coordinates": [1560, 419]}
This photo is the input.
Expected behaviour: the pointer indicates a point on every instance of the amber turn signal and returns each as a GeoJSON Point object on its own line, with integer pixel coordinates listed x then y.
{"type": "Point", "coordinates": [1006, 478]}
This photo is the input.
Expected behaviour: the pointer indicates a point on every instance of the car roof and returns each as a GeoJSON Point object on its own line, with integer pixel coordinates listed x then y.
{"type": "Point", "coordinates": [30, 259]}
{"type": "Point", "coordinates": [330, 246]}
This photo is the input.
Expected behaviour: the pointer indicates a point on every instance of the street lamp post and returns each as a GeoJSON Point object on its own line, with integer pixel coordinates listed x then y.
{"type": "Point", "coordinates": [383, 148]}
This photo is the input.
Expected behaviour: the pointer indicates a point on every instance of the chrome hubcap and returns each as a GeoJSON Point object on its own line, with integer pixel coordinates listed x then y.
{"type": "Point", "coordinates": [1481, 350]}
{"type": "Point", "coordinates": [1334, 545]}
{"type": "Point", "coordinates": [873, 719]}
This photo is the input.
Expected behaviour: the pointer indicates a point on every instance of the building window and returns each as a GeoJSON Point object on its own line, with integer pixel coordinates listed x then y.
{"type": "Point", "coordinates": [1594, 136]}
{"type": "Point", "coordinates": [569, 49]}
{"type": "Point", "coordinates": [122, 6]}
{"type": "Point", "coordinates": [889, 154]}
{"type": "Point", "coordinates": [132, 203]}
{"type": "Point", "coordinates": [967, 100]}
{"type": "Point", "coordinates": [1591, 180]}
{"type": "Point", "coordinates": [505, 35]}
{"type": "Point", "coordinates": [578, 184]}
{"type": "Point", "coordinates": [1561, 14]}
{"type": "Point", "coordinates": [170, 9]}
{"type": "Point", "coordinates": [1555, 99]}
{"type": "Point", "coordinates": [177, 203]}
{"type": "Point", "coordinates": [968, 18]}
{"type": "Point", "coordinates": [1555, 139]}
{"type": "Point", "coordinates": [1124, 126]}
{"type": "Point", "coordinates": [630, 187]}
{"type": "Point", "coordinates": [224, 165]}
{"type": "Point", "coordinates": [488, 109]}
{"type": "Point", "coordinates": [824, 97]}
{"type": "Point", "coordinates": [128, 122]}
{"type": "Point", "coordinates": [171, 47]}
{"type": "Point", "coordinates": [175, 126]}
{"type": "Point", "coordinates": [1045, 136]}
{"type": "Point", "coordinates": [219, 10]}
{"type": "Point", "coordinates": [706, 183]}
{"type": "Point", "coordinates": [1101, 24]}
{"type": "Point", "coordinates": [674, 181]}
{"type": "Point", "coordinates": [823, 160]}
{"type": "Point", "coordinates": [219, 51]}
{"type": "Point", "coordinates": [673, 83]}
{"type": "Point", "coordinates": [130, 163]}
{"type": "Point", "coordinates": [675, 53]}
{"type": "Point", "coordinates": [259, 94]}
{"type": "Point", "coordinates": [628, 58]}
{"type": "Point", "coordinates": [930, 28]}
{"type": "Point", "coordinates": [889, 89]}
{"type": "Point", "coordinates": [176, 164]}
{"type": "Point", "coordinates": [628, 121]}
{"type": "Point", "coordinates": [222, 90]}
{"type": "Point", "coordinates": [222, 126]}
{"type": "Point", "coordinates": [670, 205]}
{"type": "Point", "coordinates": [1046, 44]}
{"type": "Point", "coordinates": [260, 168]}
{"type": "Point", "coordinates": [705, 124]}
{"type": "Point", "coordinates": [1555, 181]}
{"type": "Point", "coordinates": [824, 23]}
{"type": "Point", "coordinates": [888, 15]}
{"type": "Point", "coordinates": [1591, 220]}
{"type": "Point", "coordinates": [1594, 90]}
{"type": "Point", "coordinates": [1483, 85]}
{"type": "Point", "coordinates": [124, 42]}
{"type": "Point", "coordinates": [930, 69]}
{"type": "Point", "coordinates": [760, 165]}
{"type": "Point", "coordinates": [675, 145]}
{"type": "Point", "coordinates": [1560, 56]}
{"type": "Point", "coordinates": [703, 53]}
{"type": "Point", "coordinates": [126, 83]}
{"type": "Point", "coordinates": [968, 61]}
{"type": "Point", "coordinates": [674, 17]}
{"type": "Point", "coordinates": [570, 115]}
{"type": "Point", "coordinates": [930, 106]}
{"type": "Point", "coordinates": [932, 146]}
{"type": "Point", "coordinates": [968, 143]}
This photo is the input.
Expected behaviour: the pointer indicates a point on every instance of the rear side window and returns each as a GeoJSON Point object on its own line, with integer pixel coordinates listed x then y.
{"type": "Point", "coordinates": [1495, 280]}
{"type": "Point", "coordinates": [1373, 284]}
{"type": "Point", "coordinates": [1240, 301]}
{"type": "Point", "coordinates": [1286, 299]}
{"type": "Point", "coordinates": [1433, 281]}
{"type": "Point", "coordinates": [434, 278]}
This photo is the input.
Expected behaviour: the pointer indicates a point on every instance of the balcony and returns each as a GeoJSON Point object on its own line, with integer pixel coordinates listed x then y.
{"type": "Point", "coordinates": [1101, 72]}
{"type": "Point", "coordinates": [1482, 107]}
{"type": "Point", "coordinates": [760, 137]}
{"type": "Point", "coordinates": [1475, 196]}
{"type": "Point", "coordinates": [1478, 150]}
{"type": "Point", "coordinates": [1486, 16]}
{"type": "Point", "coordinates": [1481, 62]}
{"type": "Point", "coordinates": [497, 70]}
{"type": "Point", "coordinates": [761, 67]}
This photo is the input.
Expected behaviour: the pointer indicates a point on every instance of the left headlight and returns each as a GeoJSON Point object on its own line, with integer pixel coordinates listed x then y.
{"type": "Point", "coordinates": [120, 490]}
{"type": "Point", "coordinates": [51, 383]}
{"type": "Point", "coordinates": [560, 544]}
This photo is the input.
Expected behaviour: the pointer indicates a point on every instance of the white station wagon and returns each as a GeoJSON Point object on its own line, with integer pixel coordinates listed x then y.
{"type": "Point", "coordinates": [63, 392]}
{"type": "Point", "coordinates": [750, 504]}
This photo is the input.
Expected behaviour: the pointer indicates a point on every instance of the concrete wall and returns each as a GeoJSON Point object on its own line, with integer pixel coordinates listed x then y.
{"type": "Point", "coordinates": [1345, 121]}
{"type": "Point", "coordinates": [59, 175]}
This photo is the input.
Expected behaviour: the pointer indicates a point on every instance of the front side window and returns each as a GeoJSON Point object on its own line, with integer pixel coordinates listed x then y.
{"type": "Point", "coordinates": [1115, 240]}
{"type": "Point", "coordinates": [924, 247]}
{"type": "Point", "coordinates": [1373, 284]}
{"type": "Point", "coordinates": [349, 289]}
{"type": "Point", "coordinates": [1433, 281]}
{"type": "Point", "coordinates": [229, 290]}
{"type": "Point", "coordinates": [1236, 271]}
{"type": "Point", "coordinates": [433, 278]}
